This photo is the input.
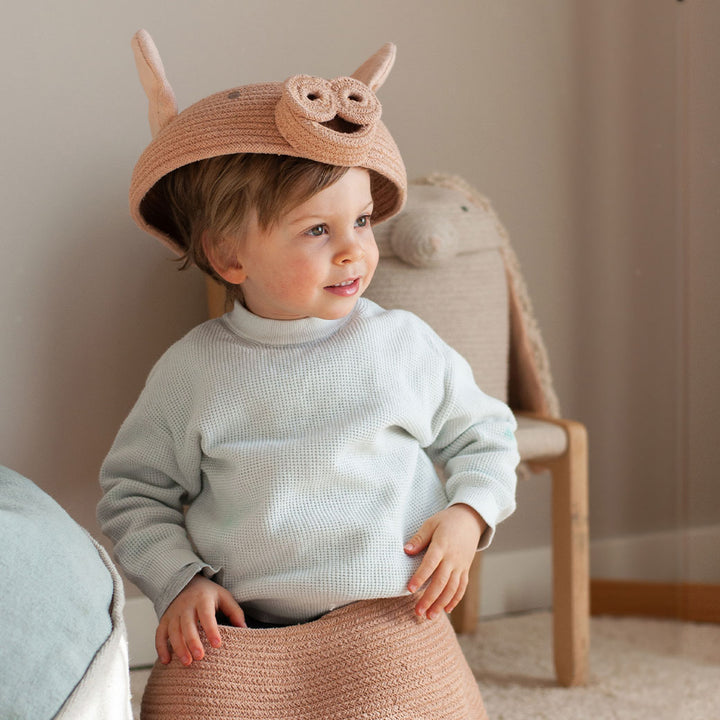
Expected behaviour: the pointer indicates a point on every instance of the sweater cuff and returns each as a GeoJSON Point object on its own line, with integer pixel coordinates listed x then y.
{"type": "Point", "coordinates": [178, 583]}
{"type": "Point", "coordinates": [486, 507]}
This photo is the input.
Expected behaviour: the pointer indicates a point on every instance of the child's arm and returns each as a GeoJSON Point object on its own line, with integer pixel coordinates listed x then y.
{"type": "Point", "coordinates": [473, 439]}
{"type": "Point", "coordinates": [196, 604]}
{"type": "Point", "coordinates": [150, 474]}
{"type": "Point", "coordinates": [451, 538]}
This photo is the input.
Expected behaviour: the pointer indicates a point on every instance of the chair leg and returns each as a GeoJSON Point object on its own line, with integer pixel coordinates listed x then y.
{"type": "Point", "coordinates": [464, 617]}
{"type": "Point", "coordinates": [571, 566]}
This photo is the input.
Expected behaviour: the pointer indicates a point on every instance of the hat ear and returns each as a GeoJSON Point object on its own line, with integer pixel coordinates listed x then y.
{"type": "Point", "coordinates": [161, 98]}
{"type": "Point", "coordinates": [375, 70]}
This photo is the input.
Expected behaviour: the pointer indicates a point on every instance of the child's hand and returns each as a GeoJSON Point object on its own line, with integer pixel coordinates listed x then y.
{"type": "Point", "coordinates": [451, 538]}
{"type": "Point", "coordinates": [197, 603]}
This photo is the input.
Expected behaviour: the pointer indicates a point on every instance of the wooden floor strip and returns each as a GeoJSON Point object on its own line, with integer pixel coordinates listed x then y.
{"type": "Point", "coordinates": [686, 601]}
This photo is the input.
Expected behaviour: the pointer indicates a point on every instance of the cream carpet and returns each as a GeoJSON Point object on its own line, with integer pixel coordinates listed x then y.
{"type": "Point", "coordinates": [639, 670]}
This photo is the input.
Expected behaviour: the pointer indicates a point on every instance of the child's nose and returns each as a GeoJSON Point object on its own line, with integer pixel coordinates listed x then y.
{"type": "Point", "coordinates": [350, 251]}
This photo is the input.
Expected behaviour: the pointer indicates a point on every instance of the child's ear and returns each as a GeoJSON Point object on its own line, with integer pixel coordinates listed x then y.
{"type": "Point", "coordinates": [223, 261]}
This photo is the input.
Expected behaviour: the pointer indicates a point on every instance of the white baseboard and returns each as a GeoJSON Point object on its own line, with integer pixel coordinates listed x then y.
{"type": "Point", "coordinates": [688, 555]}
{"type": "Point", "coordinates": [521, 580]}
{"type": "Point", "coordinates": [516, 581]}
{"type": "Point", "coordinates": [141, 622]}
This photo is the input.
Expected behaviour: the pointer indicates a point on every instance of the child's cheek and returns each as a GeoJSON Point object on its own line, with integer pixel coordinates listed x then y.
{"type": "Point", "coordinates": [301, 276]}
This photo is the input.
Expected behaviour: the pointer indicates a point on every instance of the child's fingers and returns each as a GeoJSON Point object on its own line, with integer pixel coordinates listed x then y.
{"type": "Point", "coordinates": [448, 593]}
{"type": "Point", "coordinates": [459, 594]}
{"type": "Point", "coordinates": [189, 629]}
{"type": "Point", "coordinates": [427, 567]}
{"type": "Point", "coordinates": [440, 579]}
{"type": "Point", "coordinates": [208, 622]}
{"type": "Point", "coordinates": [232, 610]}
{"type": "Point", "coordinates": [419, 541]}
{"type": "Point", "coordinates": [161, 643]}
{"type": "Point", "coordinates": [177, 641]}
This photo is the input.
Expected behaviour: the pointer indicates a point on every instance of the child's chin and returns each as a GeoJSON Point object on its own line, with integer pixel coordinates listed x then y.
{"type": "Point", "coordinates": [336, 310]}
{"type": "Point", "coordinates": [337, 315]}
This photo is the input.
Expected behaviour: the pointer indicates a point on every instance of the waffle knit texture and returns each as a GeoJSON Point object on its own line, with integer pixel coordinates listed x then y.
{"type": "Point", "coordinates": [373, 660]}
{"type": "Point", "coordinates": [305, 452]}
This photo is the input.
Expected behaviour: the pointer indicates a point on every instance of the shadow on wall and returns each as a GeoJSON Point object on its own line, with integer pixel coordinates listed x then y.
{"type": "Point", "coordinates": [122, 304]}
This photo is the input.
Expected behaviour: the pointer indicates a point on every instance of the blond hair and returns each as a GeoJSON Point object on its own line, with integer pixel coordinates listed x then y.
{"type": "Point", "coordinates": [211, 201]}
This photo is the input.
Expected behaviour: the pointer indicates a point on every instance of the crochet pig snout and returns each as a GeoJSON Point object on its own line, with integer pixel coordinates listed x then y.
{"type": "Point", "coordinates": [343, 113]}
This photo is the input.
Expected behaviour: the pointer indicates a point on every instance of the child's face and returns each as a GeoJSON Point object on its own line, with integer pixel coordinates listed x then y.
{"type": "Point", "coordinates": [317, 260]}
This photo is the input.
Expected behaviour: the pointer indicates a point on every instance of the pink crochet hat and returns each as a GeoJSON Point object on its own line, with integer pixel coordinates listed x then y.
{"type": "Point", "coordinates": [331, 121]}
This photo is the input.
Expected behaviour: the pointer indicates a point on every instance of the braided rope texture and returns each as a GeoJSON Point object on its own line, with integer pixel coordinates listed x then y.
{"type": "Point", "coordinates": [371, 660]}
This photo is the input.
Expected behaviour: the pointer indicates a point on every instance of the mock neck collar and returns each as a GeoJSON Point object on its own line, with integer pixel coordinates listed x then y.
{"type": "Point", "coordinates": [281, 332]}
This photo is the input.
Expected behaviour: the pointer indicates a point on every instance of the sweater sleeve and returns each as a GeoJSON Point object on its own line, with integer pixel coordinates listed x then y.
{"type": "Point", "coordinates": [474, 441]}
{"type": "Point", "coordinates": [151, 472]}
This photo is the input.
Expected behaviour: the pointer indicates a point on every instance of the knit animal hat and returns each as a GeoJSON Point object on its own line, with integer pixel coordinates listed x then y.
{"type": "Point", "coordinates": [330, 121]}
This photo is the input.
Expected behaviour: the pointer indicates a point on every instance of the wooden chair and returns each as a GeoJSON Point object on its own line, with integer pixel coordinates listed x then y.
{"type": "Point", "coordinates": [448, 259]}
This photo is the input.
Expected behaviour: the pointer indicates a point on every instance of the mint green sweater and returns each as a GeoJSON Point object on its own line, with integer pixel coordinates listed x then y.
{"type": "Point", "coordinates": [304, 452]}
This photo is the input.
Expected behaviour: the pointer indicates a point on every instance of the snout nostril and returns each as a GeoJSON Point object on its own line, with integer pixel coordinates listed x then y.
{"type": "Point", "coordinates": [355, 98]}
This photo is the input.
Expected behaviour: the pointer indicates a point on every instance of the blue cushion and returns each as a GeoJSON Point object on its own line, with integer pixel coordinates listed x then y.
{"type": "Point", "coordinates": [55, 595]}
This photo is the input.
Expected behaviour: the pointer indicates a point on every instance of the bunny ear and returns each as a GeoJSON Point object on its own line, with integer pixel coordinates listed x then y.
{"type": "Point", "coordinates": [375, 70]}
{"type": "Point", "coordinates": [162, 105]}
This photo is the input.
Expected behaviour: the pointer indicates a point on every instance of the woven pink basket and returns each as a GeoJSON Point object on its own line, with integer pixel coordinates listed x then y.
{"type": "Point", "coordinates": [373, 660]}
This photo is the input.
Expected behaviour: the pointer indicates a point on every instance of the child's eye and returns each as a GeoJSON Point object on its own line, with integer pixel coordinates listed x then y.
{"type": "Point", "coordinates": [362, 221]}
{"type": "Point", "coordinates": [316, 231]}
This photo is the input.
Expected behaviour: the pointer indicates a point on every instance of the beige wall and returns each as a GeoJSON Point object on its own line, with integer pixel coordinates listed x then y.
{"type": "Point", "coordinates": [569, 115]}
{"type": "Point", "coordinates": [646, 254]}
{"type": "Point", "coordinates": [626, 357]}
{"type": "Point", "coordinates": [700, 192]}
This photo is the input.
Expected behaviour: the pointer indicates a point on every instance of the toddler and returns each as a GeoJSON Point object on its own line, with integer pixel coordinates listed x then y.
{"type": "Point", "coordinates": [279, 465]}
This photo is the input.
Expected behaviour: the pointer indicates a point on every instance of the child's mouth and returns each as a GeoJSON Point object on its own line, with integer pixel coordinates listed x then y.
{"type": "Point", "coordinates": [345, 288]}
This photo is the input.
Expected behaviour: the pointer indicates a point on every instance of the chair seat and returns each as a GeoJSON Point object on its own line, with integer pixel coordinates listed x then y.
{"type": "Point", "coordinates": [539, 438]}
